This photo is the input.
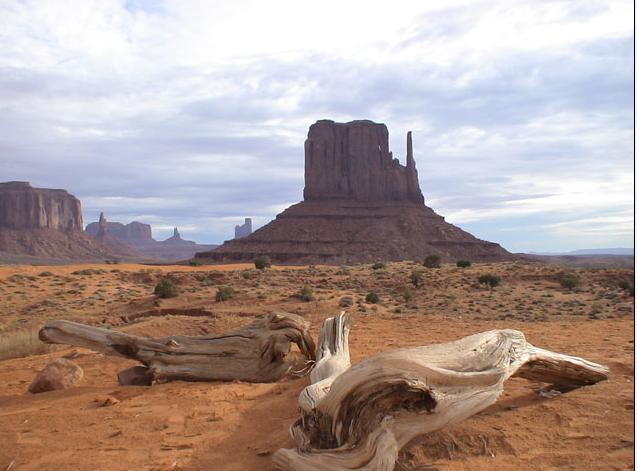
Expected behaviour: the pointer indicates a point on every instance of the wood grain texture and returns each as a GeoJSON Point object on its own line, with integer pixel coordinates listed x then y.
{"type": "Point", "coordinates": [361, 418]}
{"type": "Point", "coordinates": [254, 353]}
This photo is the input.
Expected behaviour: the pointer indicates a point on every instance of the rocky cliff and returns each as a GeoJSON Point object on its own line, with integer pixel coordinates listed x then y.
{"type": "Point", "coordinates": [25, 207]}
{"type": "Point", "coordinates": [45, 224]}
{"type": "Point", "coordinates": [352, 161]}
{"type": "Point", "coordinates": [360, 205]}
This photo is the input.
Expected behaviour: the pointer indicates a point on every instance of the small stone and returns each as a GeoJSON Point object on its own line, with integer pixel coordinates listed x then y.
{"type": "Point", "coordinates": [106, 401]}
{"type": "Point", "coordinates": [135, 376]}
{"type": "Point", "coordinates": [59, 374]}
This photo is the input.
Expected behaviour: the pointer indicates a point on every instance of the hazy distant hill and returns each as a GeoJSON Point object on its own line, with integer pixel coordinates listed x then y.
{"type": "Point", "coordinates": [608, 251]}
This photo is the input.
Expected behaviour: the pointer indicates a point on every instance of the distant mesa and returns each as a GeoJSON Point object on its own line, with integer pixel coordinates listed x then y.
{"type": "Point", "coordinates": [44, 223]}
{"type": "Point", "coordinates": [360, 204]}
{"type": "Point", "coordinates": [138, 238]}
{"type": "Point", "coordinates": [244, 230]}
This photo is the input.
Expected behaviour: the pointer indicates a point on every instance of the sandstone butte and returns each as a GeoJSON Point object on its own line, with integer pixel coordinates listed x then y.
{"type": "Point", "coordinates": [136, 239]}
{"type": "Point", "coordinates": [47, 223]}
{"type": "Point", "coordinates": [360, 204]}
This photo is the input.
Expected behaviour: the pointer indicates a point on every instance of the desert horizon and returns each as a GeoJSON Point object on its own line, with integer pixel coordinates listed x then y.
{"type": "Point", "coordinates": [256, 236]}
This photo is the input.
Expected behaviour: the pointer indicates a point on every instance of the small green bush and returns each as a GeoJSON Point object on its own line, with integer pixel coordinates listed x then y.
{"type": "Point", "coordinates": [306, 294]}
{"type": "Point", "coordinates": [407, 294]}
{"type": "Point", "coordinates": [262, 262]}
{"type": "Point", "coordinates": [195, 263]}
{"type": "Point", "coordinates": [569, 281]}
{"type": "Point", "coordinates": [166, 288]}
{"type": "Point", "coordinates": [490, 280]}
{"type": "Point", "coordinates": [246, 275]}
{"type": "Point", "coordinates": [346, 301]}
{"type": "Point", "coordinates": [432, 261]}
{"type": "Point", "coordinates": [89, 271]}
{"type": "Point", "coordinates": [224, 293]}
{"type": "Point", "coordinates": [463, 263]}
{"type": "Point", "coordinates": [628, 286]}
{"type": "Point", "coordinates": [378, 266]}
{"type": "Point", "coordinates": [372, 298]}
{"type": "Point", "coordinates": [46, 273]}
{"type": "Point", "coordinates": [416, 278]}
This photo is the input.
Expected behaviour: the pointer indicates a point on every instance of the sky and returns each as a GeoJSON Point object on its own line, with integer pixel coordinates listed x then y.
{"type": "Point", "coordinates": [193, 113]}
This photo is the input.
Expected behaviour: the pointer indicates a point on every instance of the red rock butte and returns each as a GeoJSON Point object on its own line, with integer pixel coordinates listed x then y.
{"type": "Point", "coordinates": [43, 222]}
{"type": "Point", "coordinates": [360, 205]}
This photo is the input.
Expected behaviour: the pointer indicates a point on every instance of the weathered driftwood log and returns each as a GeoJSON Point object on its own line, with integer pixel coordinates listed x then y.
{"type": "Point", "coordinates": [362, 417]}
{"type": "Point", "coordinates": [255, 353]}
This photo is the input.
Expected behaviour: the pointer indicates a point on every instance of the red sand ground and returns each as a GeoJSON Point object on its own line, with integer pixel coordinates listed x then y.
{"type": "Point", "coordinates": [236, 426]}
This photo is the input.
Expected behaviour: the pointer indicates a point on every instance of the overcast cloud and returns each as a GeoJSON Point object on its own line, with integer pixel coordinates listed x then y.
{"type": "Point", "coordinates": [194, 113]}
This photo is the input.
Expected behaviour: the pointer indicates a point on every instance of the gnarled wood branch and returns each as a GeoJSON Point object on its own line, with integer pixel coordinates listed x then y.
{"type": "Point", "coordinates": [361, 418]}
{"type": "Point", "coordinates": [255, 353]}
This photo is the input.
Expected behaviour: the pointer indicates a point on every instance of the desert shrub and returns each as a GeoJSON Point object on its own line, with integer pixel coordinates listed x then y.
{"type": "Point", "coordinates": [407, 294]}
{"type": "Point", "coordinates": [490, 280]}
{"type": "Point", "coordinates": [306, 294]}
{"type": "Point", "coordinates": [569, 281]}
{"type": "Point", "coordinates": [22, 344]}
{"type": "Point", "coordinates": [245, 275]}
{"type": "Point", "coordinates": [224, 293]}
{"type": "Point", "coordinates": [343, 271]}
{"type": "Point", "coordinates": [378, 266]}
{"type": "Point", "coordinates": [416, 278]}
{"type": "Point", "coordinates": [628, 286]}
{"type": "Point", "coordinates": [89, 271]}
{"type": "Point", "coordinates": [46, 273]}
{"type": "Point", "coordinates": [372, 298]}
{"type": "Point", "coordinates": [346, 301]}
{"type": "Point", "coordinates": [19, 277]}
{"type": "Point", "coordinates": [111, 262]}
{"type": "Point", "coordinates": [195, 263]}
{"type": "Point", "coordinates": [262, 262]}
{"type": "Point", "coordinates": [166, 289]}
{"type": "Point", "coordinates": [432, 261]}
{"type": "Point", "coordinates": [463, 263]}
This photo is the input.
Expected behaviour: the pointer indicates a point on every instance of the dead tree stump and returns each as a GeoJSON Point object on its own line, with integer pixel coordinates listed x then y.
{"type": "Point", "coordinates": [254, 353]}
{"type": "Point", "coordinates": [360, 417]}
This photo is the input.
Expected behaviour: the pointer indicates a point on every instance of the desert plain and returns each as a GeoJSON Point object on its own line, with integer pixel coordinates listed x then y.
{"type": "Point", "coordinates": [99, 425]}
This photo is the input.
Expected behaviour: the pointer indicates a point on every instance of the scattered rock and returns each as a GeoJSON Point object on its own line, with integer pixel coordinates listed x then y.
{"type": "Point", "coordinates": [59, 374]}
{"type": "Point", "coordinates": [548, 393]}
{"type": "Point", "coordinates": [135, 376]}
{"type": "Point", "coordinates": [106, 401]}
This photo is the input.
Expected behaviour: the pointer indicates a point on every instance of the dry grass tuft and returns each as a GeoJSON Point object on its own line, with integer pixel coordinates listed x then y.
{"type": "Point", "coordinates": [22, 344]}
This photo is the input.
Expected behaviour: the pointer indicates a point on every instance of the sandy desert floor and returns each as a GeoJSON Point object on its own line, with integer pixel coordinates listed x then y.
{"type": "Point", "coordinates": [99, 425]}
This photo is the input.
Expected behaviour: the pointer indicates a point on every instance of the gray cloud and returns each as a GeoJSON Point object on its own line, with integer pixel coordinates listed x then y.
{"type": "Point", "coordinates": [204, 147]}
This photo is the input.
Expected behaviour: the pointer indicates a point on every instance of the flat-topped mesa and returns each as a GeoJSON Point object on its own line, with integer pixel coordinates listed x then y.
{"type": "Point", "coordinates": [352, 161]}
{"type": "Point", "coordinates": [25, 207]}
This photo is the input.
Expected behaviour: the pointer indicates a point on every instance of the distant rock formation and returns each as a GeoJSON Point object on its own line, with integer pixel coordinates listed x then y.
{"type": "Point", "coordinates": [243, 230]}
{"type": "Point", "coordinates": [360, 205]}
{"type": "Point", "coordinates": [352, 161]}
{"type": "Point", "coordinates": [132, 233]}
{"type": "Point", "coordinates": [44, 223]}
{"type": "Point", "coordinates": [138, 237]}
{"type": "Point", "coordinates": [25, 207]}
{"type": "Point", "coordinates": [106, 237]}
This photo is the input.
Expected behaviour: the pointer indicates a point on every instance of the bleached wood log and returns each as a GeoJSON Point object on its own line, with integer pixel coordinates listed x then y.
{"type": "Point", "coordinates": [254, 353]}
{"type": "Point", "coordinates": [364, 416]}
